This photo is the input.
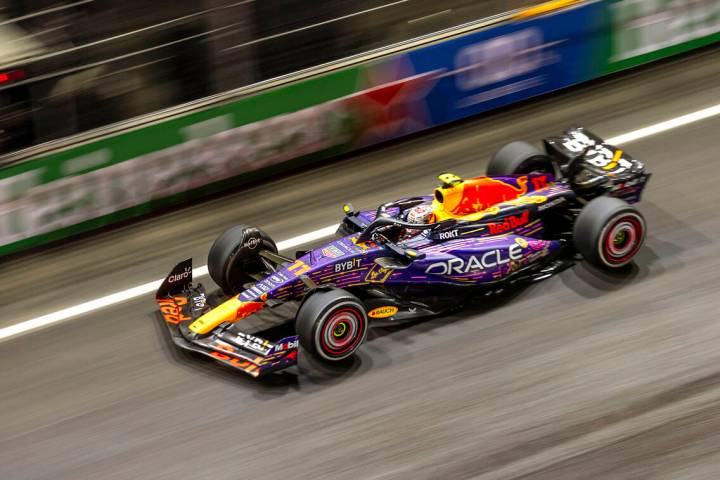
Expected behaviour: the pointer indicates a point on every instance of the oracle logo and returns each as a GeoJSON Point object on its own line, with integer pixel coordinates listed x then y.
{"type": "Point", "coordinates": [489, 259]}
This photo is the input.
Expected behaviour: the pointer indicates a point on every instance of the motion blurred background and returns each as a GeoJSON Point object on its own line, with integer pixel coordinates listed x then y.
{"type": "Point", "coordinates": [71, 66]}
{"type": "Point", "coordinates": [132, 133]}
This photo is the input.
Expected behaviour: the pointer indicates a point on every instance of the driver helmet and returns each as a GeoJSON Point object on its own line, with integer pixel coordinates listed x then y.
{"type": "Point", "coordinates": [419, 214]}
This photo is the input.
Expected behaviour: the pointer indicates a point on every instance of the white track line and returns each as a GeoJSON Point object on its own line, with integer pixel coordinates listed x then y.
{"type": "Point", "coordinates": [666, 125]}
{"type": "Point", "coordinates": [146, 288]}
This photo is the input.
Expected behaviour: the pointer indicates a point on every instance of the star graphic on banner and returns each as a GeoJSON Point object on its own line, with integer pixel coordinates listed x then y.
{"type": "Point", "coordinates": [395, 104]}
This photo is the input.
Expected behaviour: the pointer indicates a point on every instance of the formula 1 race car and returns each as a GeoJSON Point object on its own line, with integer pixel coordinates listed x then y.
{"type": "Point", "coordinates": [527, 219]}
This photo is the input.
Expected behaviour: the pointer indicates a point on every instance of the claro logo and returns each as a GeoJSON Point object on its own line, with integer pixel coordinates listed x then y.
{"type": "Point", "coordinates": [180, 276]}
{"type": "Point", "coordinates": [489, 259]}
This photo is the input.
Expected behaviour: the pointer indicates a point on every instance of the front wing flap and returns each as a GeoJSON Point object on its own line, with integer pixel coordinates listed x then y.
{"type": "Point", "coordinates": [249, 353]}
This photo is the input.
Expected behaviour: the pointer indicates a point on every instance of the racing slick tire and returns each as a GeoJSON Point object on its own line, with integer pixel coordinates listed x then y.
{"type": "Point", "coordinates": [331, 324]}
{"type": "Point", "coordinates": [609, 232]}
{"type": "Point", "coordinates": [234, 257]}
{"type": "Point", "coordinates": [519, 157]}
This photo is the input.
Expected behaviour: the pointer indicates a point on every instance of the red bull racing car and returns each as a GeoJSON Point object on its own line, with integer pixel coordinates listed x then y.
{"type": "Point", "coordinates": [533, 214]}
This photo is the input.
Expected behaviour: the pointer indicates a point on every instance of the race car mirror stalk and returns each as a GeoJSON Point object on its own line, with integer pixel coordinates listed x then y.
{"type": "Point", "coordinates": [531, 216]}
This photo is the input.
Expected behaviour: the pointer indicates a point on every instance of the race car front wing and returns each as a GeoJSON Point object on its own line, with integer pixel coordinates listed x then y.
{"type": "Point", "coordinates": [180, 303]}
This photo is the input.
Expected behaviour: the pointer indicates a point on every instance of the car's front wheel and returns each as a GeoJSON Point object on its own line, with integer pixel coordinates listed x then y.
{"type": "Point", "coordinates": [331, 324]}
{"type": "Point", "coordinates": [609, 232]}
{"type": "Point", "coordinates": [234, 257]}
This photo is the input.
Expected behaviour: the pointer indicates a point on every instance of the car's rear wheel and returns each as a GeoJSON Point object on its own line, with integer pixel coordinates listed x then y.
{"type": "Point", "coordinates": [331, 324]}
{"type": "Point", "coordinates": [518, 158]}
{"type": "Point", "coordinates": [234, 257]}
{"type": "Point", "coordinates": [609, 232]}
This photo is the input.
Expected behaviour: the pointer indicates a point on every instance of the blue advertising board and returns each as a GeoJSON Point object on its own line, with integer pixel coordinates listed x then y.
{"type": "Point", "coordinates": [511, 62]}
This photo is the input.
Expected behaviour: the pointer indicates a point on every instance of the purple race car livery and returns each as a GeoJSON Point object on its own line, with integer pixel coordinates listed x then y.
{"type": "Point", "coordinates": [532, 215]}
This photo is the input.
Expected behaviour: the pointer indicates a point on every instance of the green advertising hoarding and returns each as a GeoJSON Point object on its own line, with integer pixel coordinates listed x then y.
{"type": "Point", "coordinates": [133, 173]}
{"type": "Point", "coordinates": [642, 31]}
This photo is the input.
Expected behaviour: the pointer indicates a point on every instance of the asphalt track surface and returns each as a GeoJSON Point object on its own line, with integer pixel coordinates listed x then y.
{"type": "Point", "coordinates": [582, 376]}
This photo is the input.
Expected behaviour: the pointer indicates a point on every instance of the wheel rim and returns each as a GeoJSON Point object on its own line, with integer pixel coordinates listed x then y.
{"type": "Point", "coordinates": [342, 332]}
{"type": "Point", "coordinates": [622, 239]}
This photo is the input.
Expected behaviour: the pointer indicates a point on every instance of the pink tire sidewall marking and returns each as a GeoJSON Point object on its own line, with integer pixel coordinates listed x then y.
{"type": "Point", "coordinates": [355, 326]}
{"type": "Point", "coordinates": [632, 226]}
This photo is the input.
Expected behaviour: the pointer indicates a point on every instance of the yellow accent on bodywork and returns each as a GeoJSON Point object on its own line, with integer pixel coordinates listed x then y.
{"type": "Point", "coordinates": [449, 178]}
{"type": "Point", "coordinates": [225, 312]}
{"type": "Point", "coordinates": [296, 264]}
{"type": "Point", "coordinates": [299, 267]}
{"type": "Point", "coordinates": [443, 193]}
{"type": "Point", "coordinates": [544, 8]}
{"type": "Point", "coordinates": [383, 312]}
{"type": "Point", "coordinates": [614, 161]}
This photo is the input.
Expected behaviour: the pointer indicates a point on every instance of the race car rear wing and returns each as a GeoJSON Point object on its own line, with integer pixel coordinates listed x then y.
{"type": "Point", "coordinates": [180, 303]}
{"type": "Point", "coordinates": [592, 165]}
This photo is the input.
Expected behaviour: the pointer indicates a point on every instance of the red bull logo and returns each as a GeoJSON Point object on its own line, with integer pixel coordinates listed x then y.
{"type": "Point", "coordinates": [509, 223]}
{"type": "Point", "coordinates": [479, 194]}
{"type": "Point", "coordinates": [248, 308]}
{"type": "Point", "coordinates": [171, 309]}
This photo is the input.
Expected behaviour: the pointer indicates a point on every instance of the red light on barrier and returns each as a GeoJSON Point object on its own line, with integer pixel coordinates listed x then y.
{"type": "Point", "coordinates": [11, 76]}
